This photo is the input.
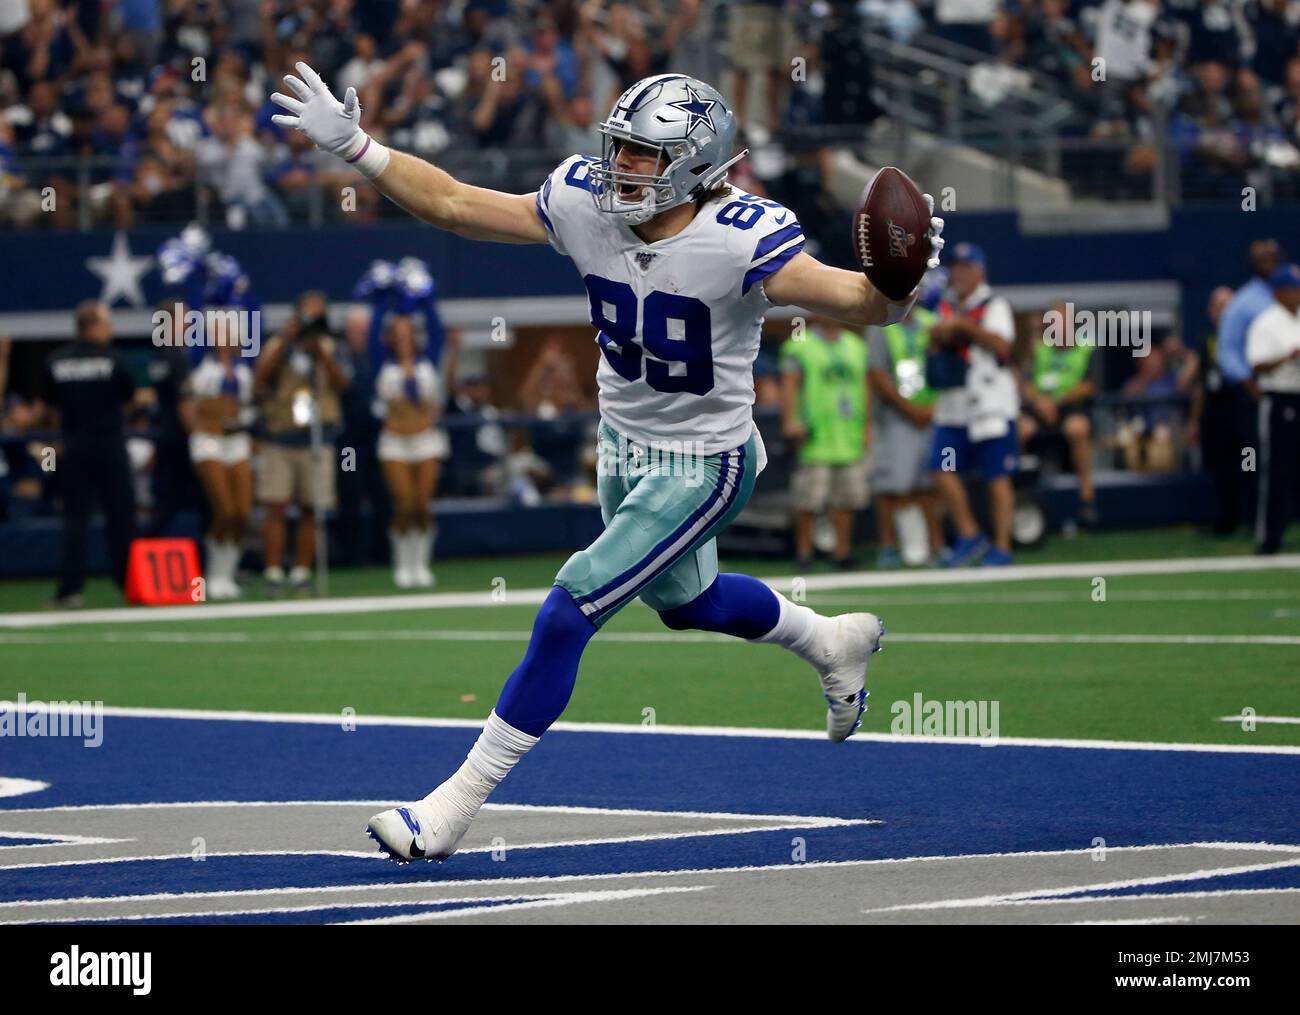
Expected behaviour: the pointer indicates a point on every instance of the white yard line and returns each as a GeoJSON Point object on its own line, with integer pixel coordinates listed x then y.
{"type": "Point", "coordinates": [1081, 595]}
{"type": "Point", "coordinates": [995, 638]}
{"type": "Point", "coordinates": [531, 597]}
{"type": "Point", "coordinates": [620, 637]}
{"type": "Point", "coordinates": [1288, 720]}
{"type": "Point", "coordinates": [690, 731]}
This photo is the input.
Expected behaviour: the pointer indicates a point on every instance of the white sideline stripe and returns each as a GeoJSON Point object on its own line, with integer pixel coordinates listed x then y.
{"type": "Point", "coordinates": [626, 637]}
{"type": "Point", "coordinates": [532, 597]}
{"type": "Point", "coordinates": [1040, 572]}
{"type": "Point", "coordinates": [550, 879]}
{"type": "Point", "coordinates": [1082, 595]}
{"type": "Point", "coordinates": [1098, 639]}
{"type": "Point", "coordinates": [1031, 896]}
{"type": "Point", "coordinates": [315, 718]}
{"type": "Point", "coordinates": [569, 899]}
{"type": "Point", "coordinates": [281, 608]}
{"type": "Point", "coordinates": [1293, 720]}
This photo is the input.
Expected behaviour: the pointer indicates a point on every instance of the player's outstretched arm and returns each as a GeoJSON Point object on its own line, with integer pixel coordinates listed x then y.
{"type": "Point", "coordinates": [427, 192]}
{"type": "Point", "coordinates": [847, 296]}
{"type": "Point", "coordinates": [435, 196]}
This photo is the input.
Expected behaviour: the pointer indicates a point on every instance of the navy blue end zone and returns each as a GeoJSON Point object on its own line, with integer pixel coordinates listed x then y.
{"type": "Point", "coordinates": [930, 800]}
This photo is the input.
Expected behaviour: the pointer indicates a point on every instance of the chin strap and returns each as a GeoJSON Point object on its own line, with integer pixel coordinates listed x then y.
{"type": "Point", "coordinates": [643, 212]}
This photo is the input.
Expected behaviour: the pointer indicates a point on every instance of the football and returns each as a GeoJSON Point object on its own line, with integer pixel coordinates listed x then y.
{"type": "Point", "coordinates": [890, 233]}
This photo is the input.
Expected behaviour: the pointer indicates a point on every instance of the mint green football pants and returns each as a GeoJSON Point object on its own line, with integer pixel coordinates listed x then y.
{"type": "Point", "coordinates": [662, 509]}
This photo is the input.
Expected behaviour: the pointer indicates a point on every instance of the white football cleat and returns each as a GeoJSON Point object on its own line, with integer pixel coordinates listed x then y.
{"type": "Point", "coordinates": [424, 830]}
{"type": "Point", "coordinates": [852, 639]}
{"type": "Point", "coordinates": [224, 588]}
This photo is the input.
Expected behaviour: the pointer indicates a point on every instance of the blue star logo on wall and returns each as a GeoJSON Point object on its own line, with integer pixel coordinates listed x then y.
{"type": "Point", "coordinates": [698, 108]}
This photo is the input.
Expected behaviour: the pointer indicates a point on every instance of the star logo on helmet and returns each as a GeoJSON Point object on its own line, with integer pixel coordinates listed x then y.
{"type": "Point", "coordinates": [698, 108]}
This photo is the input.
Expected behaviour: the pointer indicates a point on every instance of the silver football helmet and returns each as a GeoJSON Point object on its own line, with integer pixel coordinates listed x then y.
{"type": "Point", "coordinates": [690, 126]}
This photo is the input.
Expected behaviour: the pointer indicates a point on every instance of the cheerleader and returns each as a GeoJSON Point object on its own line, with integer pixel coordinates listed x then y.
{"type": "Point", "coordinates": [411, 451]}
{"type": "Point", "coordinates": [218, 411]}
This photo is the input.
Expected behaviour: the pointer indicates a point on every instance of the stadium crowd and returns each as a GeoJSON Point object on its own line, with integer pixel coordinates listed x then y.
{"type": "Point", "coordinates": [143, 110]}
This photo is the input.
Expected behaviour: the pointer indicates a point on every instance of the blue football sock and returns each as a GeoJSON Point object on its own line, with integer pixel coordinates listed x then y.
{"type": "Point", "coordinates": [734, 604]}
{"type": "Point", "coordinates": [540, 687]}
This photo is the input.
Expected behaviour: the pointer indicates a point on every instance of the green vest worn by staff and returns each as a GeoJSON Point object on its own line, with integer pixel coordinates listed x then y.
{"type": "Point", "coordinates": [1058, 369]}
{"type": "Point", "coordinates": [833, 397]}
{"type": "Point", "coordinates": [908, 342]}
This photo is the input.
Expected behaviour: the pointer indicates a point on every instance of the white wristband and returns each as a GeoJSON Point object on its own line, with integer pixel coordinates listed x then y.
{"type": "Point", "coordinates": [367, 156]}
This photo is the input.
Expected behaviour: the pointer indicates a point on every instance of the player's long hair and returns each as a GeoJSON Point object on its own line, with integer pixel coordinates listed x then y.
{"type": "Point", "coordinates": [720, 189]}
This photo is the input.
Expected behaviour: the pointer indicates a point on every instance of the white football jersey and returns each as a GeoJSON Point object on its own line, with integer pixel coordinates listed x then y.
{"type": "Point", "coordinates": [679, 319]}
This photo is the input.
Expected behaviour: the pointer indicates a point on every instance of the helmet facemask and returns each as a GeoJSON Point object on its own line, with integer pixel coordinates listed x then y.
{"type": "Point", "coordinates": [659, 192]}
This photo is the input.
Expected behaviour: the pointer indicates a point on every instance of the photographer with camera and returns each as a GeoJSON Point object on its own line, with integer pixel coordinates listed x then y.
{"type": "Point", "coordinates": [297, 382]}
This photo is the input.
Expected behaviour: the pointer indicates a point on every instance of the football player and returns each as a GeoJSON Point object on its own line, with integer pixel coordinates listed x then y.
{"type": "Point", "coordinates": [679, 268]}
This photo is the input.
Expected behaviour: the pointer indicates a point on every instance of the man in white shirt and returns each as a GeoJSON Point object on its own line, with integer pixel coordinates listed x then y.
{"type": "Point", "coordinates": [975, 413]}
{"type": "Point", "coordinates": [1273, 352]}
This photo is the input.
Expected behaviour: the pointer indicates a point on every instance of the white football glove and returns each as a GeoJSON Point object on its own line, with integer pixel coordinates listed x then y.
{"type": "Point", "coordinates": [897, 311]}
{"type": "Point", "coordinates": [331, 125]}
{"type": "Point", "coordinates": [936, 234]}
